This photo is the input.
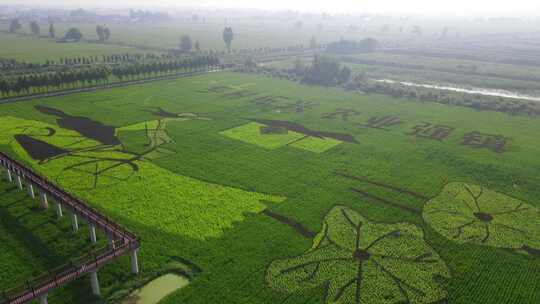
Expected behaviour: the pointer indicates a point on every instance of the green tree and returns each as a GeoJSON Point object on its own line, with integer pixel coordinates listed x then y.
{"type": "Point", "coordinates": [197, 46]}
{"type": "Point", "coordinates": [228, 36]}
{"type": "Point", "coordinates": [14, 25]}
{"type": "Point", "coordinates": [185, 43]}
{"type": "Point", "coordinates": [344, 75]}
{"type": "Point", "coordinates": [100, 31]}
{"type": "Point", "coordinates": [34, 28]}
{"type": "Point", "coordinates": [299, 67]}
{"type": "Point", "coordinates": [74, 34]}
{"type": "Point", "coordinates": [107, 33]}
{"type": "Point", "coordinates": [323, 71]}
{"type": "Point", "coordinates": [250, 63]}
{"type": "Point", "coordinates": [52, 31]}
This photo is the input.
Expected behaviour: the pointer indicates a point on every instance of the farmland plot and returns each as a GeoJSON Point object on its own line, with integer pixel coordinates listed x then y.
{"type": "Point", "coordinates": [282, 193]}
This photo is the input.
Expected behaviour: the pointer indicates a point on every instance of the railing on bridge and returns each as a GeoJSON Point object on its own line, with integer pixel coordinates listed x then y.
{"type": "Point", "coordinates": [121, 242]}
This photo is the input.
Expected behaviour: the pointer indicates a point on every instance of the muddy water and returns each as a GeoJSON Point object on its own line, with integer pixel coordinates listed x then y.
{"type": "Point", "coordinates": [157, 289]}
{"type": "Point", "coordinates": [479, 91]}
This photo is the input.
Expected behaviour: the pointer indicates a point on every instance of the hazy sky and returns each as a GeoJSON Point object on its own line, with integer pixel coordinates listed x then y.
{"type": "Point", "coordinates": [455, 7]}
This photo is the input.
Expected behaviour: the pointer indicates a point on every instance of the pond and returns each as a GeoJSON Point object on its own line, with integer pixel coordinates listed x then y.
{"type": "Point", "coordinates": [479, 91]}
{"type": "Point", "coordinates": [157, 289]}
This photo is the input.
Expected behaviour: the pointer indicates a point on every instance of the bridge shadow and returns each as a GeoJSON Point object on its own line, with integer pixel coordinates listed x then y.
{"type": "Point", "coordinates": [22, 221]}
{"type": "Point", "coordinates": [25, 236]}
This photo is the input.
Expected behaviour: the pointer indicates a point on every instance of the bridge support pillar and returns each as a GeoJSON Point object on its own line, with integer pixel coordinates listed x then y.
{"type": "Point", "coordinates": [31, 190]}
{"type": "Point", "coordinates": [111, 242]}
{"type": "Point", "coordinates": [8, 176]}
{"type": "Point", "coordinates": [58, 208]}
{"type": "Point", "coordinates": [44, 203]}
{"type": "Point", "coordinates": [134, 262]}
{"type": "Point", "coordinates": [19, 182]}
{"type": "Point", "coordinates": [74, 222]}
{"type": "Point", "coordinates": [95, 283]}
{"type": "Point", "coordinates": [43, 299]}
{"type": "Point", "coordinates": [92, 233]}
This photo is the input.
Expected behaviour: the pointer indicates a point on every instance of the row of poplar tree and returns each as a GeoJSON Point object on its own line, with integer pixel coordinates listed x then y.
{"type": "Point", "coordinates": [91, 76]}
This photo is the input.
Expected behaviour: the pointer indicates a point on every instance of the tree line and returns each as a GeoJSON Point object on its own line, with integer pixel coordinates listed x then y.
{"type": "Point", "coordinates": [72, 34]}
{"type": "Point", "coordinates": [45, 82]}
{"type": "Point", "coordinates": [88, 76]}
{"type": "Point", "coordinates": [103, 32]}
{"type": "Point", "coordinates": [111, 58]}
{"type": "Point", "coordinates": [475, 101]}
{"type": "Point", "coordinates": [8, 64]}
{"type": "Point", "coordinates": [352, 47]}
{"type": "Point", "coordinates": [165, 67]}
{"type": "Point", "coordinates": [324, 70]}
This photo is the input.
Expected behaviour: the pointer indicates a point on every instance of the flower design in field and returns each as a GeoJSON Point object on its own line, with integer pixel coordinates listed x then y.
{"type": "Point", "coordinates": [358, 261]}
{"type": "Point", "coordinates": [472, 214]}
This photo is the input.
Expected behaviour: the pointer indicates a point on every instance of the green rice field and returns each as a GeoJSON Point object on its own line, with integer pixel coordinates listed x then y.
{"type": "Point", "coordinates": [268, 191]}
{"type": "Point", "coordinates": [39, 50]}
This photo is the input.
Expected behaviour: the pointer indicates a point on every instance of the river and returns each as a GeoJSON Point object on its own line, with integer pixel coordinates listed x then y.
{"type": "Point", "coordinates": [479, 91]}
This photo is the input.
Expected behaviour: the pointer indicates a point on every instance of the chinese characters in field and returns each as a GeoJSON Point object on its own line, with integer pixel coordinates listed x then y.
{"type": "Point", "coordinates": [382, 122]}
{"type": "Point", "coordinates": [493, 142]}
{"type": "Point", "coordinates": [496, 143]}
{"type": "Point", "coordinates": [344, 114]}
{"type": "Point", "coordinates": [431, 131]}
{"type": "Point", "coordinates": [428, 130]}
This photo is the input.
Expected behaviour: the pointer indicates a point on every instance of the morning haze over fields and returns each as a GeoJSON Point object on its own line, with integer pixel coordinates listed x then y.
{"type": "Point", "coordinates": [374, 152]}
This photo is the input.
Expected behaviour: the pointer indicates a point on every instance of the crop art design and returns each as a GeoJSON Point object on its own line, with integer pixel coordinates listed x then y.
{"type": "Point", "coordinates": [114, 168]}
{"type": "Point", "coordinates": [274, 134]}
{"type": "Point", "coordinates": [107, 155]}
{"type": "Point", "coordinates": [300, 106]}
{"type": "Point", "coordinates": [359, 261]}
{"type": "Point", "coordinates": [468, 213]}
{"type": "Point", "coordinates": [472, 214]}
